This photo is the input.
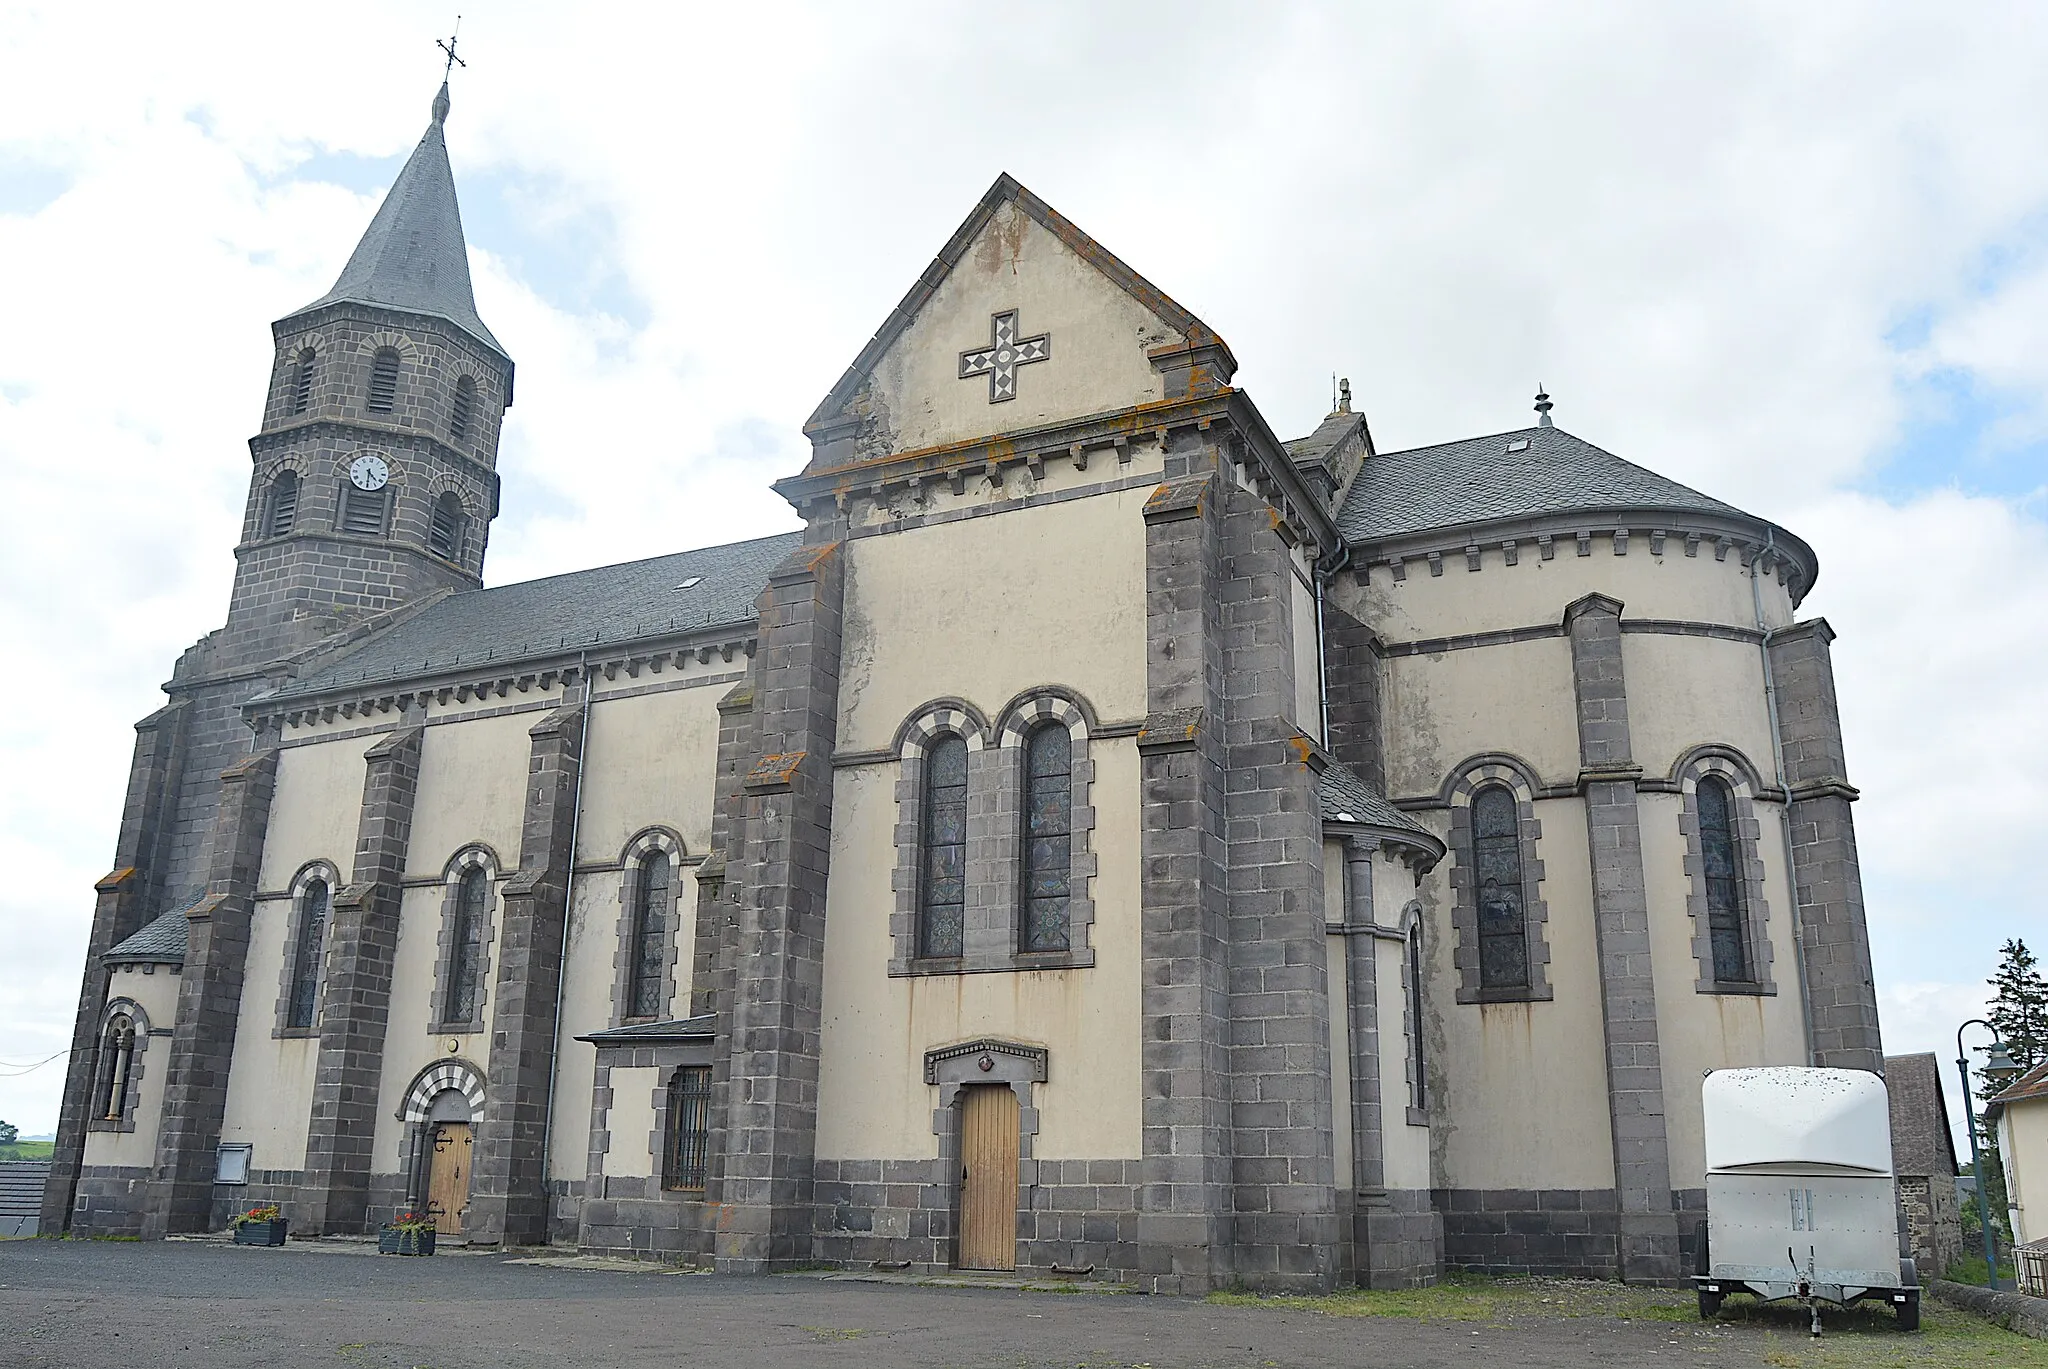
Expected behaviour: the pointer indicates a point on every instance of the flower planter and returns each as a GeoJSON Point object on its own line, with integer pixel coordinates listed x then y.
{"type": "Point", "coordinates": [394, 1242]}
{"type": "Point", "coordinates": [260, 1233]}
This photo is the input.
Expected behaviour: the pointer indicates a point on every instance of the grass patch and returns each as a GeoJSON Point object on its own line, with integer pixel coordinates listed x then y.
{"type": "Point", "coordinates": [28, 1150]}
{"type": "Point", "coordinates": [1474, 1297]}
{"type": "Point", "coordinates": [1868, 1338]}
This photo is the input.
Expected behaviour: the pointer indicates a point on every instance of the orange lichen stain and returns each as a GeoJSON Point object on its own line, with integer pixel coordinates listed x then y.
{"type": "Point", "coordinates": [1303, 747]}
{"type": "Point", "coordinates": [115, 879]}
{"type": "Point", "coordinates": [776, 768]}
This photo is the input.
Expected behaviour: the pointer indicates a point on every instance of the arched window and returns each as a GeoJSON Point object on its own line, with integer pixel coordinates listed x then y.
{"type": "Point", "coordinates": [302, 381]}
{"type": "Point", "coordinates": [315, 902]}
{"type": "Point", "coordinates": [444, 535]}
{"type": "Point", "coordinates": [685, 1156]}
{"type": "Point", "coordinates": [117, 1064]}
{"type": "Point", "coordinates": [466, 946]}
{"type": "Point", "coordinates": [1048, 839]}
{"type": "Point", "coordinates": [384, 380]}
{"type": "Point", "coordinates": [284, 504]}
{"type": "Point", "coordinates": [942, 894]}
{"type": "Point", "coordinates": [1497, 858]}
{"type": "Point", "coordinates": [362, 511]}
{"type": "Point", "coordinates": [1719, 861]}
{"type": "Point", "coordinates": [653, 898]}
{"type": "Point", "coordinates": [459, 412]}
{"type": "Point", "coordinates": [1418, 1078]}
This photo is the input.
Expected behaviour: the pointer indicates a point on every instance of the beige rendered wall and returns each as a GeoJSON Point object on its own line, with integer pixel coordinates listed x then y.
{"type": "Point", "coordinates": [587, 1007]}
{"type": "Point", "coordinates": [314, 809]}
{"type": "Point", "coordinates": [873, 1102]}
{"type": "Point", "coordinates": [1340, 1044]}
{"type": "Point", "coordinates": [1520, 1089]}
{"type": "Point", "coordinates": [2023, 1147]}
{"type": "Point", "coordinates": [472, 789]}
{"type": "Point", "coordinates": [652, 760]}
{"type": "Point", "coordinates": [154, 989]}
{"type": "Point", "coordinates": [270, 1080]}
{"type": "Point", "coordinates": [1308, 680]}
{"type": "Point", "coordinates": [1441, 710]}
{"type": "Point", "coordinates": [409, 1045]}
{"type": "Point", "coordinates": [986, 608]}
{"type": "Point", "coordinates": [1100, 337]}
{"type": "Point", "coordinates": [1405, 1147]}
{"type": "Point", "coordinates": [630, 1122]}
{"type": "Point", "coordinates": [1683, 691]}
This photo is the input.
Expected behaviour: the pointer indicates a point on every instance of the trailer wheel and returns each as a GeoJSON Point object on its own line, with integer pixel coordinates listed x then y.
{"type": "Point", "coordinates": [1909, 1310]}
{"type": "Point", "coordinates": [1710, 1304]}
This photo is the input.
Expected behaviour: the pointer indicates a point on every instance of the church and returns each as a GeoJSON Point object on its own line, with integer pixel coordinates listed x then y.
{"type": "Point", "coordinates": [1108, 839]}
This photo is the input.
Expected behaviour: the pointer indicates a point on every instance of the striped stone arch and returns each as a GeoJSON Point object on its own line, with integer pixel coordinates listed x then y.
{"type": "Point", "coordinates": [938, 718]}
{"type": "Point", "coordinates": [438, 1078]}
{"type": "Point", "coordinates": [1025, 713]}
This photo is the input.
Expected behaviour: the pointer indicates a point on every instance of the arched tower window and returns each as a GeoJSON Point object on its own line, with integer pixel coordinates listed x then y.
{"type": "Point", "coordinates": [117, 1065]}
{"type": "Point", "coordinates": [444, 534]}
{"type": "Point", "coordinates": [653, 902]}
{"type": "Point", "coordinates": [942, 892]}
{"type": "Point", "coordinates": [1048, 839]}
{"type": "Point", "coordinates": [302, 381]}
{"type": "Point", "coordinates": [1723, 879]}
{"type": "Point", "coordinates": [466, 946]}
{"type": "Point", "coordinates": [1503, 921]}
{"type": "Point", "coordinates": [315, 904]}
{"type": "Point", "coordinates": [384, 380]}
{"type": "Point", "coordinates": [284, 504]}
{"type": "Point", "coordinates": [460, 410]}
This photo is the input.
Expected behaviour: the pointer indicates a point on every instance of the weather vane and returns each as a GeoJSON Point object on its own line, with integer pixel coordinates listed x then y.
{"type": "Point", "coordinates": [447, 45]}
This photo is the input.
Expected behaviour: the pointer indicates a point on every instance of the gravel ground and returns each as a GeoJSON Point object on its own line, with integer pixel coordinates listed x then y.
{"type": "Point", "coordinates": [174, 1304]}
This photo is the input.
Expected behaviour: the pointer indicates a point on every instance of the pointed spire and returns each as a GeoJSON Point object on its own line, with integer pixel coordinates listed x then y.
{"type": "Point", "coordinates": [412, 256]}
{"type": "Point", "coordinates": [1543, 408]}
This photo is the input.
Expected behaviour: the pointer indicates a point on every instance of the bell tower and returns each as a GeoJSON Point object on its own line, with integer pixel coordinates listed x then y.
{"type": "Point", "coordinates": [374, 476]}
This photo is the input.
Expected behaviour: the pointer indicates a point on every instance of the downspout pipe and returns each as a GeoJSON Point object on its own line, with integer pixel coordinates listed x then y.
{"type": "Point", "coordinates": [547, 1138]}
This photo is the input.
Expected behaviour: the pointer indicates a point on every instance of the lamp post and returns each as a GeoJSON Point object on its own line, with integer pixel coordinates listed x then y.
{"type": "Point", "coordinates": [1998, 1066]}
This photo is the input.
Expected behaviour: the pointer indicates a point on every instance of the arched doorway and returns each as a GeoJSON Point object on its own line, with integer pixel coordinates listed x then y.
{"type": "Point", "coordinates": [450, 1140]}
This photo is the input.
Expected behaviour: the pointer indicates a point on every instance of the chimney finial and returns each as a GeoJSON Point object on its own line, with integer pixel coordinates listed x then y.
{"type": "Point", "coordinates": [1344, 396]}
{"type": "Point", "coordinates": [1543, 408]}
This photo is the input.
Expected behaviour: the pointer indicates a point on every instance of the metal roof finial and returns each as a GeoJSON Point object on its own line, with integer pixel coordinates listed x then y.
{"type": "Point", "coordinates": [1344, 396]}
{"type": "Point", "coordinates": [1543, 408]}
{"type": "Point", "coordinates": [447, 45]}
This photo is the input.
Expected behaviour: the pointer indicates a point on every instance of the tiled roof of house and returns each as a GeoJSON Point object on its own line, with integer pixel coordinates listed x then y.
{"type": "Point", "coordinates": [2032, 1084]}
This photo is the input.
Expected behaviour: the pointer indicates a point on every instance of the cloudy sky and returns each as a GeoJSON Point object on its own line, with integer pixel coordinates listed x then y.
{"type": "Point", "coordinates": [1795, 256]}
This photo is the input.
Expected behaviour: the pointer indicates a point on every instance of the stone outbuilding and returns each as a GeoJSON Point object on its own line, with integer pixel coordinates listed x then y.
{"type": "Point", "coordinates": [1924, 1158]}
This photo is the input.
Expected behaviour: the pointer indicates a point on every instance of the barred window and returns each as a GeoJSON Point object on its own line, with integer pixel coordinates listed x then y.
{"type": "Point", "coordinates": [116, 1065]}
{"type": "Point", "coordinates": [689, 1130]}
{"type": "Point", "coordinates": [460, 410]}
{"type": "Point", "coordinates": [302, 381]}
{"type": "Point", "coordinates": [942, 897]}
{"type": "Point", "coordinates": [362, 511]}
{"type": "Point", "coordinates": [284, 504]}
{"type": "Point", "coordinates": [315, 903]}
{"type": "Point", "coordinates": [384, 380]}
{"type": "Point", "coordinates": [466, 951]}
{"type": "Point", "coordinates": [1719, 862]}
{"type": "Point", "coordinates": [1048, 839]}
{"type": "Point", "coordinates": [1497, 880]}
{"type": "Point", "coordinates": [653, 898]}
{"type": "Point", "coordinates": [444, 535]}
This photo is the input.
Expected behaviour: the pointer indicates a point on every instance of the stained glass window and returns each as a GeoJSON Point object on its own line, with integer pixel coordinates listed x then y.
{"type": "Point", "coordinates": [314, 901]}
{"type": "Point", "coordinates": [943, 895]}
{"type": "Point", "coordinates": [1497, 854]}
{"type": "Point", "coordinates": [1718, 859]}
{"type": "Point", "coordinates": [651, 905]}
{"type": "Point", "coordinates": [1048, 839]}
{"type": "Point", "coordinates": [466, 955]}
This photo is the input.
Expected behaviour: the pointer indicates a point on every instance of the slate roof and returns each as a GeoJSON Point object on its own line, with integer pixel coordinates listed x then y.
{"type": "Point", "coordinates": [160, 941]}
{"type": "Point", "coordinates": [413, 256]}
{"type": "Point", "coordinates": [1334, 428]}
{"type": "Point", "coordinates": [1346, 797]}
{"type": "Point", "coordinates": [1479, 480]}
{"type": "Point", "coordinates": [599, 607]}
{"type": "Point", "coordinates": [701, 1025]}
{"type": "Point", "coordinates": [1921, 1142]}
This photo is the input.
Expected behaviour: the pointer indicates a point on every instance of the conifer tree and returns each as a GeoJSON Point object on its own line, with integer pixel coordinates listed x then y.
{"type": "Point", "coordinates": [2019, 1006]}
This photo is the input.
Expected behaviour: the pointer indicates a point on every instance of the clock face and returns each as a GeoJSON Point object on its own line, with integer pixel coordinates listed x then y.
{"type": "Point", "coordinates": [369, 472]}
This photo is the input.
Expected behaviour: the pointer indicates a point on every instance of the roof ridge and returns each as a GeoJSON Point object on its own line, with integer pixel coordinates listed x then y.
{"type": "Point", "coordinates": [617, 565]}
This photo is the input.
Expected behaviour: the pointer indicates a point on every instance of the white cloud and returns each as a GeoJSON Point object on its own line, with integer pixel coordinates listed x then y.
{"type": "Point", "coordinates": [1698, 227]}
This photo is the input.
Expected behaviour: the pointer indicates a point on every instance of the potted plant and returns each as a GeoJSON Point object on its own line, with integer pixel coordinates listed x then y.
{"type": "Point", "coordinates": [411, 1234]}
{"type": "Point", "coordinates": [260, 1226]}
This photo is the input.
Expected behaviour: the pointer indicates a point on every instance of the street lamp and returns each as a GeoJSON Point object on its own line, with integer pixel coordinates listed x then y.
{"type": "Point", "coordinates": [1998, 1067]}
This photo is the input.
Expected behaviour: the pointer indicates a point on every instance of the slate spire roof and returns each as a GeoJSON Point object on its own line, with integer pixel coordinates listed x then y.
{"type": "Point", "coordinates": [413, 256]}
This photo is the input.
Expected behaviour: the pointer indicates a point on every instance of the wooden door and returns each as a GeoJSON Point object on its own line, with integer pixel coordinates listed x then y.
{"type": "Point", "coordinates": [448, 1177]}
{"type": "Point", "coordinates": [988, 1177]}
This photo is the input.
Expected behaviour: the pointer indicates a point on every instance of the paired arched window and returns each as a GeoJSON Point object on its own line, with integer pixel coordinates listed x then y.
{"type": "Point", "coordinates": [116, 1067]}
{"type": "Point", "coordinates": [461, 409]}
{"type": "Point", "coordinates": [444, 533]}
{"type": "Point", "coordinates": [653, 903]}
{"type": "Point", "coordinates": [302, 381]}
{"type": "Point", "coordinates": [1048, 839]}
{"type": "Point", "coordinates": [687, 1152]}
{"type": "Point", "coordinates": [315, 904]}
{"type": "Point", "coordinates": [1727, 927]}
{"type": "Point", "coordinates": [942, 890]}
{"type": "Point", "coordinates": [384, 380]}
{"type": "Point", "coordinates": [283, 512]}
{"type": "Point", "coordinates": [466, 945]}
{"type": "Point", "coordinates": [1497, 882]}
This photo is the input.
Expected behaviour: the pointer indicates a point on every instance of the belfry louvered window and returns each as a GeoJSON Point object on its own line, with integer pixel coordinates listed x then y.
{"type": "Point", "coordinates": [315, 901]}
{"type": "Point", "coordinates": [1048, 839]}
{"type": "Point", "coordinates": [362, 511]}
{"type": "Point", "coordinates": [384, 380]}
{"type": "Point", "coordinates": [653, 898]}
{"type": "Point", "coordinates": [116, 1067]}
{"type": "Point", "coordinates": [1497, 882]}
{"type": "Point", "coordinates": [444, 535]}
{"type": "Point", "coordinates": [688, 1149]}
{"type": "Point", "coordinates": [1721, 867]}
{"type": "Point", "coordinates": [302, 381]}
{"type": "Point", "coordinates": [942, 897]}
{"type": "Point", "coordinates": [284, 504]}
{"type": "Point", "coordinates": [460, 410]}
{"type": "Point", "coordinates": [466, 948]}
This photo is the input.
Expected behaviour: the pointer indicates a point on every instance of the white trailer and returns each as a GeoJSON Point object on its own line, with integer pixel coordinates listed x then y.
{"type": "Point", "coordinates": [1801, 1200]}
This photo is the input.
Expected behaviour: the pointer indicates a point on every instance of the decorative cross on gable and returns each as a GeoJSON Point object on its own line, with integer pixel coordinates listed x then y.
{"type": "Point", "coordinates": [1004, 354]}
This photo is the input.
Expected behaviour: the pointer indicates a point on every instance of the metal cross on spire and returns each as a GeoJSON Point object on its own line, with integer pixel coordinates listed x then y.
{"type": "Point", "coordinates": [447, 45]}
